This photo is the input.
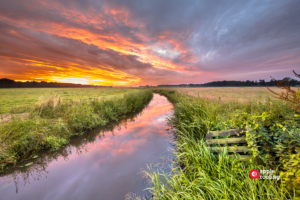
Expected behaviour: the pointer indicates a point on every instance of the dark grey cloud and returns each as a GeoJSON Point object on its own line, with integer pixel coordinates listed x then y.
{"type": "Point", "coordinates": [225, 35]}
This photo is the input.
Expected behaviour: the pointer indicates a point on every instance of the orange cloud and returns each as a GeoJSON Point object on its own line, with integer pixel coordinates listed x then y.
{"type": "Point", "coordinates": [94, 28]}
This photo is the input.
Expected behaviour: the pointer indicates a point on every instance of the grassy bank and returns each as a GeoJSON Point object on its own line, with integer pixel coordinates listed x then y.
{"type": "Point", "coordinates": [51, 123]}
{"type": "Point", "coordinates": [199, 174]}
{"type": "Point", "coordinates": [19, 100]}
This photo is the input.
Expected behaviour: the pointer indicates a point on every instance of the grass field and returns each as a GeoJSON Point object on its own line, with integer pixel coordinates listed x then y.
{"type": "Point", "coordinates": [240, 94]}
{"type": "Point", "coordinates": [49, 117]}
{"type": "Point", "coordinates": [199, 174]}
{"type": "Point", "coordinates": [10, 99]}
{"type": "Point", "coordinates": [47, 122]}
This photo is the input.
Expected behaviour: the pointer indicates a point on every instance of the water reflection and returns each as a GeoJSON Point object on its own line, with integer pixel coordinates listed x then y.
{"type": "Point", "coordinates": [102, 164]}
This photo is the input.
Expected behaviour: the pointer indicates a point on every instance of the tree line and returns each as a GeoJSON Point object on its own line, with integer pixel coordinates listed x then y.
{"type": "Point", "coordinates": [8, 83]}
{"type": "Point", "coordinates": [247, 83]}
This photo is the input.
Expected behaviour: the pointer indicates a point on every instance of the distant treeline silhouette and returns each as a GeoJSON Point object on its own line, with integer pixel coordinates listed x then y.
{"type": "Point", "coordinates": [247, 83]}
{"type": "Point", "coordinates": [7, 83]}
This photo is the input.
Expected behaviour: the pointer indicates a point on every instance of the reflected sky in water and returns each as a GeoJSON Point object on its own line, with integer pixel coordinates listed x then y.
{"type": "Point", "coordinates": [98, 165]}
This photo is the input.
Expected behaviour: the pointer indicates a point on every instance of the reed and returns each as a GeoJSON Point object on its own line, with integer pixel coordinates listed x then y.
{"type": "Point", "coordinates": [207, 176]}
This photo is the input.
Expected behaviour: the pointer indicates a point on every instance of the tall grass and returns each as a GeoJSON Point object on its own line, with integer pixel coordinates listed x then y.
{"type": "Point", "coordinates": [51, 123]}
{"type": "Point", "coordinates": [209, 176]}
{"type": "Point", "coordinates": [200, 174]}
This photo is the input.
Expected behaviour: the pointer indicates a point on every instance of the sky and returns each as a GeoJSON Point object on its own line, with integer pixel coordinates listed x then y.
{"type": "Point", "coordinates": [142, 42]}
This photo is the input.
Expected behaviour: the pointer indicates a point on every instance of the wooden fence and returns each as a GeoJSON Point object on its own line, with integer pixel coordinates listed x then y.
{"type": "Point", "coordinates": [235, 142]}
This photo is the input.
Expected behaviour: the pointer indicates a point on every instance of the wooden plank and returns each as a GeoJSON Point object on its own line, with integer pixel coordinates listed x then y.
{"type": "Point", "coordinates": [243, 157]}
{"type": "Point", "coordinates": [227, 132]}
{"type": "Point", "coordinates": [231, 149]}
{"type": "Point", "coordinates": [226, 141]}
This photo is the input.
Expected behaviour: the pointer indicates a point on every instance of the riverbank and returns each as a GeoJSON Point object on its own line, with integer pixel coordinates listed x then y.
{"type": "Point", "coordinates": [105, 163]}
{"type": "Point", "coordinates": [199, 174]}
{"type": "Point", "coordinates": [51, 123]}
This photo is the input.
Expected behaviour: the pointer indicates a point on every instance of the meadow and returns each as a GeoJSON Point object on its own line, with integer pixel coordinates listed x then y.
{"type": "Point", "coordinates": [34, 119]}
{"type": "Point", "coordinates": [227, 94]}
{"type": "Point", "coordinates": [12, 100]}
{"type": "Point", "coordinates": [50, 117]}
{"type": "Point", "coordinates": [197, 173]}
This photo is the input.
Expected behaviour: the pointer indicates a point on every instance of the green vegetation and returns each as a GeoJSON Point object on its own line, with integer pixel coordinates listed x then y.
{"type": "Point", "coordinates": [51, 123]}
{"type": "Point", "coordinates": [200, 174]}
{"type": "Point", "coordinates": [20, 100]}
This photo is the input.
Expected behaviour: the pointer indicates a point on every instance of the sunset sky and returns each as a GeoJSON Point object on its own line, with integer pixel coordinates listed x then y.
{"type": "Point", "coordinates": [131, 43]}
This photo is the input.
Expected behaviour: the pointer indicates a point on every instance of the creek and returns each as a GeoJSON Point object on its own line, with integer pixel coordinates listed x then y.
{"type": "Point", "coordinates": [104, 164]}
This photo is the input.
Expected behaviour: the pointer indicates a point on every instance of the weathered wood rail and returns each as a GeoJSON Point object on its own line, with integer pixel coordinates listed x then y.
{"type": "Point", "coordinates": [234, 140]}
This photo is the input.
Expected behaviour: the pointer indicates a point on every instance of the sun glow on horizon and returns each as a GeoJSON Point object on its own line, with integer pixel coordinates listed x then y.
{"type": "Point", "coordinates": [123, 44]}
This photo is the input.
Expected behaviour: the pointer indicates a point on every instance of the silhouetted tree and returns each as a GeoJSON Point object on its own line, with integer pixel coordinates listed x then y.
{"type": "Point", "coordinates": [7, 83]}
{"type": "Point", "coordinates": [291, 96]}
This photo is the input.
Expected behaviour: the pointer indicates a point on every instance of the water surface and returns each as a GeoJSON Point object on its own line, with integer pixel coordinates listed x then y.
{"type": "Point", "coordinates": [98, 165]}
